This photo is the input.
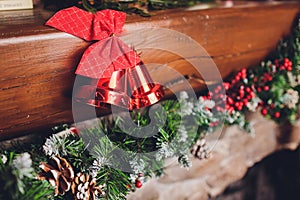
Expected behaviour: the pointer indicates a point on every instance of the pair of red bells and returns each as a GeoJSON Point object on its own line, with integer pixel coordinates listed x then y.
{"type": "Point", "coordinates": [131, 88]}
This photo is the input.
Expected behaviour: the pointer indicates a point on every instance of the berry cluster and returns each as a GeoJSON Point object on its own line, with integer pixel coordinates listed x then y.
{"type": "Point", "coordinates": [238, 94]}
{"type": "Point", "coordinates": [284, 64]}
{"type": "Point", "coordinates": [268, 83]}
{"type": "Point", "coordinates": [264, 81]}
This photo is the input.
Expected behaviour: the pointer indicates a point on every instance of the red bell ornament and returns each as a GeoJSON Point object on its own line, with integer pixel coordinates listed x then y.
{"type": "Point", "coordinates": [113, 91]}
{"type": "Point", "coordinates": [144, 91]}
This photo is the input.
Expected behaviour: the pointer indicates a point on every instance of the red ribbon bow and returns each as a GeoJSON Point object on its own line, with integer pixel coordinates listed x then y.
{"type": "Point", "coordinates": [110, 54]}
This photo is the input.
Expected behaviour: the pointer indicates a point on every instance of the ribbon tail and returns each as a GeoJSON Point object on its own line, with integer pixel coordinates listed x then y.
{"type": "Point", "coordinates": [122, 55]}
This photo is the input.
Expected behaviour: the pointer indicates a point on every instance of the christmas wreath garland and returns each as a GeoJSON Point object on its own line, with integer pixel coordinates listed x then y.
{"type": "Point", "coordinates": [67, 167]}
{"type": "Point", "coordinates": [140, 7]}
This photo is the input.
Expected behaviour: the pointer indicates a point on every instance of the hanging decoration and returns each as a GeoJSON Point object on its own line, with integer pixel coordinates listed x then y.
{"type": "Point", "coordinates": [117, 74]}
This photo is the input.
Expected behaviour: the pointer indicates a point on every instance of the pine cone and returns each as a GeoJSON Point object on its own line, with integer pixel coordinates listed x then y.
{"type": "Point", "coordinates": [59, 173]}
{"type": "Point", "coordinates": [84, 187]}
{"type": "Point", "coordinates": [200, 149]}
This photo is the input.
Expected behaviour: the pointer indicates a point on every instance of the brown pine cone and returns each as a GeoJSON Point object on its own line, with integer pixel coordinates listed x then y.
{"type": "Point", "coordinates": [200, 150]}
{"type": "Point", "coordinates": [59, 173]}
{"type": "Point", "coordinates": [84, 187]}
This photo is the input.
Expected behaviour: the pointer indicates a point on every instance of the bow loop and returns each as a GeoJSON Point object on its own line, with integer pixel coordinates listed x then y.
{"type": "Point", "coordinates": [108, 22]}
{"type": "Point", "coordinates": [86, 25]}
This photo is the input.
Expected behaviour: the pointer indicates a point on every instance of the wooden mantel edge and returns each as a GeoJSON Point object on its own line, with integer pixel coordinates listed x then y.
{"type": "Point", "coordinates": [13, 23]}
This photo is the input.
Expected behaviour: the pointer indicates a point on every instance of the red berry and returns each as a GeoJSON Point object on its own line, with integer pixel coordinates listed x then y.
{"type": "Point", "coordinates": [230, 101]}
{"type": "Point", "coordinates": [266, 88]}
{"type": "Point", "coordinates": [74, 130]}
{"type": "Point", "coordinates": [286, 64]}
{"type": "Point", "coordinates": [244, 76]}
{"type": "Point", "coordinates": [240, 107]}
{"type": "Point", "coordinates": [277, 115]}
{"type": "Point", "coordinates": [245, 101]}
{"type": "Point", "coordinates": [248, 89]}
{"type": "Point", "coordinates": [264, 112]}
{"type": "Point", "coordinates": [270, 78]}
{"type": "Point", "coordinates": [242, 93]}
{"type": "Point", "coordinates": [258, 89]}
{"type": "Point", "coordinates": [226, 86]}
{"type": "Point", "coordinates": [272, 105]}
{"type": "Point", "coordinates": [244, 71]}
{"type": "Point", "coordinates": [227, 107]}
{"type": "Point", "coordinates": [267, 77]}
{"type": "Point", "coordinates": [138, 184]}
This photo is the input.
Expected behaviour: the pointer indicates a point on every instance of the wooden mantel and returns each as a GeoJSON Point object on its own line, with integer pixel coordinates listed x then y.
{"type": "Point", "coordinates": [38, 62]}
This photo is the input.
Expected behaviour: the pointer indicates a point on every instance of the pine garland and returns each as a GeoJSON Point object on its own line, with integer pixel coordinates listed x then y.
{"type": "Point", "coordinates": [140, 7]}
{"type": "Point", "coordinates": [98, 151]}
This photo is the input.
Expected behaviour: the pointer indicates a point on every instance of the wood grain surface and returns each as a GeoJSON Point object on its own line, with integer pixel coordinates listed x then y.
{"type": "Point", "coordinates": [38, 62]}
